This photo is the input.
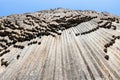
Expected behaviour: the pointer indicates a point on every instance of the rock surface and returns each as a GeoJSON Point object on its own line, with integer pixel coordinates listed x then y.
{"type": "Point", "coordinates": [60, 44]}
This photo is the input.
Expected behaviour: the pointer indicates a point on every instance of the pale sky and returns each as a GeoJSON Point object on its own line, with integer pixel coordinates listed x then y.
{"type": "Point", "coordinates": [8, 7]}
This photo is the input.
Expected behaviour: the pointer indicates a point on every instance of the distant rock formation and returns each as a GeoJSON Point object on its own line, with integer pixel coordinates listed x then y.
{"type": "Point", "coordinates": [20, 31]}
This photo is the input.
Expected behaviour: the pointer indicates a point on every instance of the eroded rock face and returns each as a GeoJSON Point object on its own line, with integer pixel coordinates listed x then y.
{"type": "Point", "coordinates": [25, 27]}
{"type": "Point", "coordinates": [29, 28]}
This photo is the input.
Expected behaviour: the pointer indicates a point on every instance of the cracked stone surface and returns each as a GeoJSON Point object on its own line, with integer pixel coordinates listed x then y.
{"type": "Point", "coordinates": [60, 44]}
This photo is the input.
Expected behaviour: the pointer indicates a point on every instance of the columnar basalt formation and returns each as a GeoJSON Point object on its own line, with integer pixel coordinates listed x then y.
{"type": "Point", "coordinates": [60, 44]}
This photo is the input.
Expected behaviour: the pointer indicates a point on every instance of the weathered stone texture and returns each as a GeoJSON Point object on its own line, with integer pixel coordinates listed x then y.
{"type": "Point", "coordinates": [60, 44]}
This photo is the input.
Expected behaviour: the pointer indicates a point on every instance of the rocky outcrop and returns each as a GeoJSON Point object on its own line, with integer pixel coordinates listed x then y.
{"type": "Point", "coordinates": [64, 34]}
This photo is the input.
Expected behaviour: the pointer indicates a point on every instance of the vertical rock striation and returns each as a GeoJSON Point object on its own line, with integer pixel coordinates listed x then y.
{"type": "Point", "coordinates": [60, 44]}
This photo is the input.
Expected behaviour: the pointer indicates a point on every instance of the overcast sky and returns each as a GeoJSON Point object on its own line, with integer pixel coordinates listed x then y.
{"type": "Point", "coordinates": [8, 7]}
